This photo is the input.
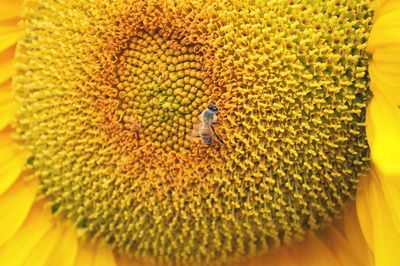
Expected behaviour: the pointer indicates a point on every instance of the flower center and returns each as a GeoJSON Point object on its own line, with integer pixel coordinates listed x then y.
{"type": "Point", "coordinates": [109, 94]}
{"type": "Point", "coordinates": [161, 90]}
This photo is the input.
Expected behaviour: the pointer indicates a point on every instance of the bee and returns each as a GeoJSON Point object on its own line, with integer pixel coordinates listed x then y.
{"type": "Point", "coordinates": [205, 128]}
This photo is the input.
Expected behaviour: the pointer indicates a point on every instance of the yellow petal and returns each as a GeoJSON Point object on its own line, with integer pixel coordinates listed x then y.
{"type": "Point", "coordinates": [104, 256]}
{"type": "Point", "coordinates": [280, 257]}
{"type": "Point", "coordinates": [5, 87]}
{"type": "Point", "coordinates": [64, 253]}
{"type": "Point", "coordinates": [126, 261]}
{"type": "Point", "coordinates": [385, 78]}
{"type": "Point", "coordinates": [313, 252]}
{"type": "Point", "coordinates": [384, 46]}
{"type": "Point", "coordinates": [7, 111]}
{"type": "Point", "coordinates": [6, 140]}
{"type": "Point", "coordinates": [95, 254]}
{"type": "Point", "coordinates": [388, 55]}
{"type": "Point", "coordinates": [10, 9]}
{"type": "Point", "coordinates": [383, 131]}
{"type": "Point", "coordinates": [8, 37]}
{"type": "Point", "coordinates": [21, 245]}
{"type": "Point", "coordinates": [39, 255]}
{"type": "Point", "coordinates": [378, 221]}
{"type": "Point", "coordinates": [7, 105]}
{"type": "Point", "coordinates": [6, 64]}
{"type": "Point", "coordinates": [86, 253]}
{"type": "Point", "coordinates": [391, 190]}
{"type": "Point", "coordinates": [10, 171]}
{"type": "Point", "coordinates": [12, 160]}
{"type": "Point", "coordinates": [58, 247]}
{"type": "Point", "coordinates": [341, 247]}
{"type": "Point", "coordinates": [382, 7]}
{"type": "Point", "coordinates": [15, 205]}
{"type": "Point", "coordinates": [355, 237]}
{"type": "Point", "coordinates": [385, 31]}
{"type": "Point", "coordinates": [363, 212]}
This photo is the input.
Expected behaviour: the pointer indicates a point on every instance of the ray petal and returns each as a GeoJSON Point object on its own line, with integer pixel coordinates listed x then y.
{"type": "Point", "coordinates": [12, 161]}
{"type": "Point", "coordinates": [7, 106]}
{"type": "Point", "coordinates": [363, 213]}
{"type": "Point", "coordinates": [8, 37]}
{"type": "Point", "coordinates": [355, 237]}
{"type": "Point", "coordinates": [85, 254]}
{"type": "Point", "coordinates": [57, 247]}
{"type": "Point", "coordinates": [95, 254]}
{"type": "Point", "coordinates": [383, 131]}
{"type": "Point", "coordinates": [44, 247]}
{"type": "Point", "coordinates": [6, 64]}
{"type": "Point", "coordinates": [385, 80]}
{"type": "Point", "coordinates": [382, 7]}
{"type": "Point", "coordinates": [10, 9]}
{"type": "Point", "coordinates": [379, 221]}
{"type": "Point", "coordinates": [311, 250]}
{"type": "Point", "coordinates": [126, 261]}
{"type": "Point", "coordinates": [280, 257]}
{"type": "Point", "coordinates": [64, 253]}
{"type": "Point", "coordinates": [391, 190]}
{"type": "Point", "coordinates": [384, 114]}
{"type": "Point", "coordinates": [14, 207]}
{"type": "Point", "coordinates": [341, 247]}
{"type": "Point", "coordinates": [21, 245]}
{"type": "Point", "coordinates": [7, 111]}
{"type": "Point", "coordinates": [384, 46]}
{"type": "Point", "coordinates": [104, 256]}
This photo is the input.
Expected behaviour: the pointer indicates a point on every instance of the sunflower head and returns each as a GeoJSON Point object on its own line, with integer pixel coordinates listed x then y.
{"type": "Point", "coordinates": [109, 94]}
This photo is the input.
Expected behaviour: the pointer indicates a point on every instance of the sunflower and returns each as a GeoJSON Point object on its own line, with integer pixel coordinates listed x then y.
{"type": "Point", "coordinates": [102, 164]}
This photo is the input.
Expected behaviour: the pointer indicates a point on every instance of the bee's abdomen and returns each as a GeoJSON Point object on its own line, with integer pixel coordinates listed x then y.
{"type": "Point", "coordinates": [206, 138]}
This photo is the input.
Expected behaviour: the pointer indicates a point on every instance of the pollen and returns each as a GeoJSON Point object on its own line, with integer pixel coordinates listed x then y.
{"type": "Point", "coordinates": [109, 93]}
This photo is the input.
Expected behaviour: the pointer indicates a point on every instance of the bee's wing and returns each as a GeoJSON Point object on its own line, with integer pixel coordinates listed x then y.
{"type": "Point", "coordinates": [195, 133]}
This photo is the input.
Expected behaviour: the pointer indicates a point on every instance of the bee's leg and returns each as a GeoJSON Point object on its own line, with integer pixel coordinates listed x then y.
{"type": "Point", "coordinates": [217, 135]}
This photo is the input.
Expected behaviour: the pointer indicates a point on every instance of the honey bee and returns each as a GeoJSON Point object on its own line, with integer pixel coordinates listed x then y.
{"type": "Point", "coordinates": [205, 128]}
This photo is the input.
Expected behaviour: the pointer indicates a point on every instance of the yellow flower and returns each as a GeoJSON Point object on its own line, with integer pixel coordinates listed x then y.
{"type": "Point", "coordinates": [99, 161]}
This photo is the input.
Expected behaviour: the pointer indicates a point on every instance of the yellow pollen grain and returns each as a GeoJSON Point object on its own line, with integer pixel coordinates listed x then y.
{"type": "Point", "coordinates": [110, 91]}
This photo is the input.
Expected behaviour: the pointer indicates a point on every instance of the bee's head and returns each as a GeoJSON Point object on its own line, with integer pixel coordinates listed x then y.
{"type": "Point", "coordinates": [213, 107]}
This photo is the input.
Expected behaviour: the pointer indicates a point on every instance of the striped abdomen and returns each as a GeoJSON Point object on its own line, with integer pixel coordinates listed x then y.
{"type": "Point", "coordinates": [206, 136]}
